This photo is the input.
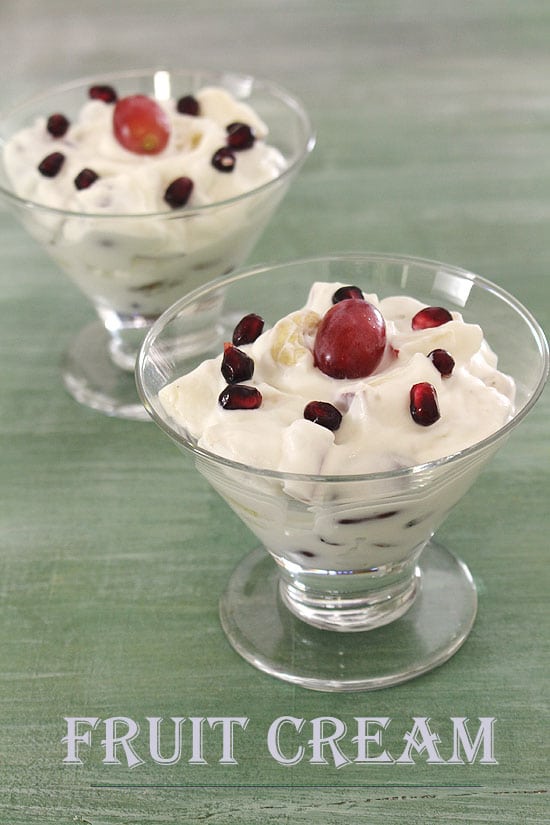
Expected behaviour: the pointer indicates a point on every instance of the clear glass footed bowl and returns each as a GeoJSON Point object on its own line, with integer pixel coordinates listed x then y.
{"type": "Point", "coordinates": [348, 589]}
{"type": "Point", "coordinates": [133, 266]}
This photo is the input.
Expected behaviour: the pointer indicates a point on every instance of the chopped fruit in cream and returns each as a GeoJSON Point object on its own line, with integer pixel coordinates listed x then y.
{"type": "Point", "coordinates": [137, 147]}
{"type": "Point", "coordinates": [142, 197]}
{"type": "Point", "coordinates": [349, 384]}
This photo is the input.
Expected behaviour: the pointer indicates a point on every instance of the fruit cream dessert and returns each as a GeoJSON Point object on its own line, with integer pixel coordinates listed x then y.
{"type": "Point", "coordinates": [348, 385]}
{"type": "Point", "coordinates": [135, 155]}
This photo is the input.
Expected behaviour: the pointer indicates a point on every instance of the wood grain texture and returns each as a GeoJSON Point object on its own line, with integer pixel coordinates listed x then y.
{"type": "Point", "coordinates": [433, 123]}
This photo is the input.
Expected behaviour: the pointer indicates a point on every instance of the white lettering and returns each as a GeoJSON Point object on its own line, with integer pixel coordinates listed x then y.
{"type": "Point", "coordinates": [74, 738]}
{"type": "Point", "coordinates": [461, 738]}
{"type": "Point", "coordinates": [154, 740]}
{"type": "Point", "coordinates": [420, 739]}
{"type": "Point", "coordinates": [227, 723]}
{"type": "Point", "coordinates": [112, 741]}
{"type": "Point", "coordinates": [319, 741]}
{"type": "Point", "coordinates": [364, 738]}
{"type": "Point", "coordinates": [273, 740]}
{"type": "Point", "coordinates": [196, 740]}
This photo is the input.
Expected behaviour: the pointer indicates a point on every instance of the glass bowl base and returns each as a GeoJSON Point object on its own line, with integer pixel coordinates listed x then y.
{"type": "Point", "coordinates": [265, 633]}
{"type": "Point", "coordinates": [93, 379]}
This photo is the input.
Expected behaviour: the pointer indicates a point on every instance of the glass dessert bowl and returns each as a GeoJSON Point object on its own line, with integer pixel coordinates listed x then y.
{"type": "Point", "coordinates": [348, 590]}
{"type": "Point", "coordinates": [131, 254]}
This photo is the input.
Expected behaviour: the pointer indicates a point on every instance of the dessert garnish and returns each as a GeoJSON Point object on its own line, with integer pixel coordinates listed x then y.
{"type": "Point", "coordinates": [236, 365]}
{"type": "Point", "coordinates": [57, 124]}
{"type": "Point", "coordinates": [240, 397]}
{"type": "Point", "coordinates": [324, 414]}
{"type": "Point", "coordinates": [424, 405]}
{"type": "Point", "coordinates": [85, 178]}
{"type": "Point", "coordinates": [101, 92]}
{"type": "Point", "coordinates": [224, 159]}
{"type": "Point", "coordinates": [178, 192]}
{"type": "Point", "coordinates": [442, 361]}
{"type": "Point", "coordinates": [344, 292]}
{"type": "Point", "coordinates": [188, 105]}
{"type": "Point", "coordinates": [240, 136]}
{"type": "Point", "coordinates": [350, 339]}
{"type": "Point", "coordinates": [248, 329]}
{"type": "Point", "coordinates": [431, 317]}
{"type": "Point", "coordinates": [141, 125]}
{"type": "Point", "coordinates": [51, 164]}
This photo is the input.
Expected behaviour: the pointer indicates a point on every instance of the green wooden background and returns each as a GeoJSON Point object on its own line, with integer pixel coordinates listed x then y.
{"type": "Point", "coordinates": [433, 124]}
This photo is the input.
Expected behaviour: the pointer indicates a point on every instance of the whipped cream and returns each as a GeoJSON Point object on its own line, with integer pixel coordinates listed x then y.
{"type": "Point", "coordinates": [338, 523]}
{"type": "Point", "coordinates": [119, 240]}
{"type": "Point", "coordinates": [131, 183]}
{"type": "Point", "coordinates": [377, 432]}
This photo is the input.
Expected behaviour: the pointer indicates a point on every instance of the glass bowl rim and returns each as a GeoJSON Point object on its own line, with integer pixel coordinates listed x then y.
{"type": "Point", "coordinates": [404, 472]}
{"type": "Point", "coordinates": [276, 90]}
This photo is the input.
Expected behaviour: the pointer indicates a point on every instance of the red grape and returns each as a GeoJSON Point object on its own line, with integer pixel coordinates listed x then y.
{"type": "Point", "coordinates": [141, 125]}
{"type": "Point", "coordinates": [350, 340]}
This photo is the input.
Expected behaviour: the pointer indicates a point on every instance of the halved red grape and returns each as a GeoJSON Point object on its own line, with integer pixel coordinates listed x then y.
{"type": "Point", "coordinates": [141, 125]}
{"type": "Point", "coordinates": [350, 340]}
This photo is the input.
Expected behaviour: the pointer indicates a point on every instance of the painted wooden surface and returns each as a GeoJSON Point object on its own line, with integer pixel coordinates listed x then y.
{"type": "Point", "coordinates": [433, 125]}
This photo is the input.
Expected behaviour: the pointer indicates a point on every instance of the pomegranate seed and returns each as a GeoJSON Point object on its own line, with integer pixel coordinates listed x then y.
{"type": "Point", "coordinates": [423, 404]}
{"type": "Point", "coordinates": [188, 105]}
{"type": "Point", "coordinates": [179, 192]}
{"type": "Point", "coordinates": [431, 317]}
{"type": "Point", "coordinates": [350, 340]}
{"type": "Point", "coordinates": [442, 361]}
{"type": "Point", "coordinates": [57, 125]}
{"type": "Point", "coordinates": [240, 397]}
{"type": "Point", "coordinates": [345, 292]}
{"type": "Point", "coordinates": [141, 125]}
{"type": "Point", "coordinates": [236, 365]}
{"type": "Point", "coordinates": [85, 178]}
{"type": "Point", "coordinates": [50, 166]}
{"type": "Point", "coordinates": [240, 136]}
{"type": "Point", "coordinates": [223, 159]}
{"type": "Point", "coordinates": [324, 414]}
{"type": "Point", "coordinates": [105, 93]}
{"type": "Point", "coordinates": [248, 329]}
